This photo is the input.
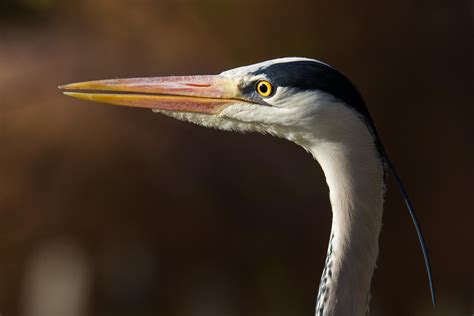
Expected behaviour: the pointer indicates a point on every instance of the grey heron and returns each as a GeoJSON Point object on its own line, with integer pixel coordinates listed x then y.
{"type": "Point", "coordinates": [313, 105]}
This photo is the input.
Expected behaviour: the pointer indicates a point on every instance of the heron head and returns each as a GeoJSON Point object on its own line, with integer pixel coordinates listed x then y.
{"type": "Point", "coordinates": [291, 98]}
{"type": "Point", "coordinates": [275, 96]}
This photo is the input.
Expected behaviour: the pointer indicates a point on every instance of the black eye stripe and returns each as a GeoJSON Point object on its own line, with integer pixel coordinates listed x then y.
{"type": "Point", "coordinates": [311, 75]}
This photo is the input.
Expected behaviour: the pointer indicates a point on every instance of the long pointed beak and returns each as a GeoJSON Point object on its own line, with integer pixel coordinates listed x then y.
{"type": "Point", "coordinates": [198, 94]}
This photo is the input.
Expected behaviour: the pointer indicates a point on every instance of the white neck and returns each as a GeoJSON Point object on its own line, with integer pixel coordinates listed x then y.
{"type": "Point", "coordinates": [354, 173]}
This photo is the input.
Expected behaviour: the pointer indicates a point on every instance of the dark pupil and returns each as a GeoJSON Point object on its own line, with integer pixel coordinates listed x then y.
{"type": "Point", "coordinates": [263, 88]}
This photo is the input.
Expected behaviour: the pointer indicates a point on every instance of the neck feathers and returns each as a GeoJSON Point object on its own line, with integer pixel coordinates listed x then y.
{"type": "Point", "coordinates": [345, 149]}
{"type": "Point", "coordinates": [355, 180]}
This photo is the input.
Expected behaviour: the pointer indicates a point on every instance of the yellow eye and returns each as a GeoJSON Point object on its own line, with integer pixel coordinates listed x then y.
{"type": "Point", "coordinates": [264, 88]}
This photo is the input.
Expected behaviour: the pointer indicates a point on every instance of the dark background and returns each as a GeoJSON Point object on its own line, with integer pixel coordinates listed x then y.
{"type": "Point", "coordinates": [118, 211]}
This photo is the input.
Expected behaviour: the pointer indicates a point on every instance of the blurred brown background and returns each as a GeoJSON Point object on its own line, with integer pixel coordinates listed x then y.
{"type": "Point", "coordinates": [118, 211]}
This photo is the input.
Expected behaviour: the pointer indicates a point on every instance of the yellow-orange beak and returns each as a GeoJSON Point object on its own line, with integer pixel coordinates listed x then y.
{"type": "Point", "coordinates": [198, 94]}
